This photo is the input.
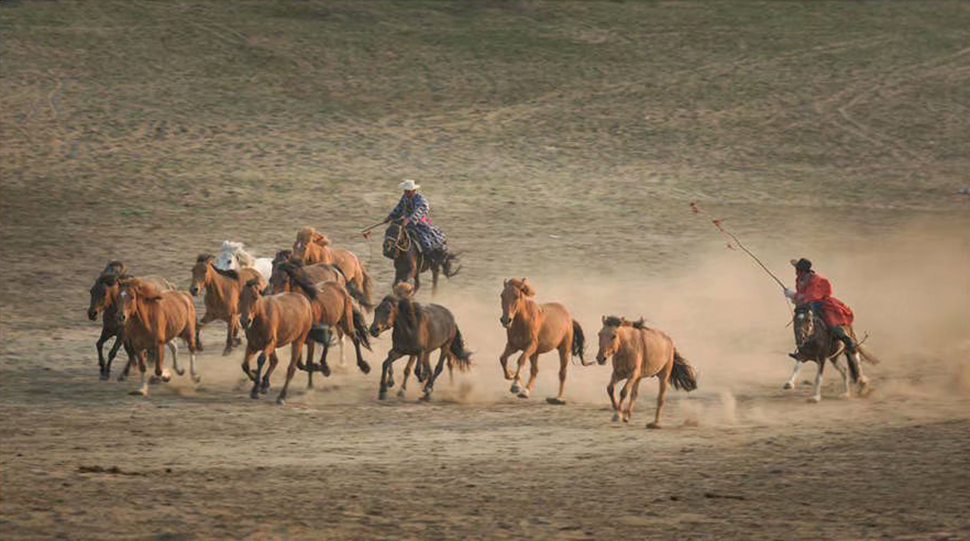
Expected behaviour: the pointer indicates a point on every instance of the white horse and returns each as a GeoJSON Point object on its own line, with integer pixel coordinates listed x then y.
{"type": "Point", "coordinates": [232, 256]}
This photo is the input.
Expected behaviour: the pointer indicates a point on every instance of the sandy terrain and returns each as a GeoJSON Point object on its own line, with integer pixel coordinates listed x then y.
{"type": "Point", "coordinates": [562, 143]}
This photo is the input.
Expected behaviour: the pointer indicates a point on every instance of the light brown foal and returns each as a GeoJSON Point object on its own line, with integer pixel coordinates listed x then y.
{"type": "Point", "coordinates": [222, 288]}
{"type": "Point", "coordinates": [534, 329]}
{"type": "Point", "coordinates": [641, 352]}
{"type": "Point", "coordinates": [314, 247]}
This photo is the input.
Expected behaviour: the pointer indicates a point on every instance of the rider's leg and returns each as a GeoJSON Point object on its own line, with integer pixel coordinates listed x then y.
{"type": "Point", "coordinates": [842, 335]}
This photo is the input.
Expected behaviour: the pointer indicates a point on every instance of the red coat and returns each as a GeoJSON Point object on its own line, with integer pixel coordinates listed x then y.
{"type": "Point", "coordinates": [813, 287]}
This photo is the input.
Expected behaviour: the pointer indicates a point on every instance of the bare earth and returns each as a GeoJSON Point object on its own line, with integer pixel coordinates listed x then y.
{"type": "Point", "coordinates": [559, 141]}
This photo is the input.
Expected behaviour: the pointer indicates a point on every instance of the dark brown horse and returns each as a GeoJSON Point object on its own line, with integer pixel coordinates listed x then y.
{"type": "Point", "coordinates": [818, 344]}
{"type": "Point", "coordinates": [410, 261]}
{"type": "Point", "coordinates": [103, 301]}
{"type": "Point", "coordinates": [419, 330]}
{"type": "Point", "coordinates": [316, 273]}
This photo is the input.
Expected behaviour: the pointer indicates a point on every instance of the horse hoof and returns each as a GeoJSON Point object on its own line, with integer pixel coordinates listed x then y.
{"type": "Point", "coordinates": [815, 399]}
{"type": "Point", "coordinates": [280, 401]}
{"type": "Point", "coordinates": [254, 394]}
{"type": "Point", "coordinates": [556, 401]}
{"type": "Point", "coordinates": [425, 397]}
{"type": "Point", "coordinates": [153, 380]}
{"type": "Point", "coordinates": [616, 417]}
{"type": "Point", "coordinates": [104, 376]}
{"type": "Point", "coordinates": [390, 383]}
{"type": "Point", "coordinates": [523, 394]}
{"type": "Point", "coordinates": [196, 378]}
{"type": "Point", "coordinates": [122, 377]}
{"type": "Point", "coordinates": [226, 352]}
{"type": "Point", "coordinates": [364, 367]}
{"type": "Point", "coordinates": [625, 418]}
{"type": "Point", "coordinates": [382, 395]}
{"type": "Point", "coordinates": [515, 388]}
{"type": "Point", "coordinates": [788, 386]}
{"type": "Point", "coordinates": [653, 426]}
{"type": "Point", "coordinates": [400, 393]}
{"type": "Point", "coordinates": [301, 366]}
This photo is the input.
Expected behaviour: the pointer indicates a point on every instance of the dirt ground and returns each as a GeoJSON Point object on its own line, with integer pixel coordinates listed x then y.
{"type": "Point", "coordinates": [562, 142]}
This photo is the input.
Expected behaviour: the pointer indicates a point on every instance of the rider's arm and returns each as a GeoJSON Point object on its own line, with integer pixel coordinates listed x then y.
{"type": "Point", "coordinates": [420, 210]}
{"type": "Point", "coordinates": [396, 213]}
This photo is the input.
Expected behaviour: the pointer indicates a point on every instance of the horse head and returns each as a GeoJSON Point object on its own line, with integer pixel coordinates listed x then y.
{"type": "Point", "coordinates": [200, 273]}
{"type": "Point", "coordinates": [305, 238]}
{"type": "Point", "coordinates": [131, 294]}
{"type": "Point", "coordinates": [609, 338]}
{"type": "Point", "coordinates": [803, 323]}
{"type": "Point", "coordinates": [248, 297]}
{"type": "Point", "coordinates": [102, 293]}
{"type": "Point", "coordinates": [514, 293]}
{"type": "Point", "coordinates": [384, 315]}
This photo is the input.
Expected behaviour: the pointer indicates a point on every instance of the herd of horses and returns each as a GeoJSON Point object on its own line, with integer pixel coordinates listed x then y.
{"type": "Point", "coordinates": [317, 294]}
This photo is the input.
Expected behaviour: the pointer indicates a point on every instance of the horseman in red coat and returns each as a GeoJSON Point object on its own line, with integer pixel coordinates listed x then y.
{"type": "Point", "coordinates": [816, 290]}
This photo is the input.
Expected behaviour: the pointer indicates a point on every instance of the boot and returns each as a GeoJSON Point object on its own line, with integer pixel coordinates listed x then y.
{"type": "Point", "coordinates": [840, 333]}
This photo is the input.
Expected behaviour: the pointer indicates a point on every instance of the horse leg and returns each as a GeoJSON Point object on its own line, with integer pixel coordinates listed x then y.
{"type": "Point", "coordinates": [143, 387]}
{"type": "Point", "coordinates": [254, 393]}
{"type": "Point", "coordinates": [361, 363]}
{"type": "Point", "coordinates": [429, 384]}
{"type": "Point", "coordinates": [264, 384]}
{"type": "Point", "coordinates": [342, 363]}
{"type": "Point", "coordinates": [504, 359]}
{"type": "Point", "coordinates": [609, 391]}
{"type": "Point", "coordinates": [105, 334]}
{"type": "Point", "coordinates": [563, 364]}
{"type": "Point", "coordinates": [131, 361]}
{"type": "Point", "coordinates": [846, 391]}
{"type": "Point", "coordinates": [625, 391]}
{"type": "Point", "coordinates": [407, 373]}
{"type": "Point", "coordinates": [386, 367]}
{"type": "Point", "coordinates": [516, 381]}
{"type": "Point", "coordinates": [291, 369]}
{"type": "Point", "coordinates": [817, 396]}
{"type": "Point", "coordinates": [230, 332]}
{"type": "Point", "coordinates": [862, 382]}
{"type": "Point", "coordinates": [533, 373]}
{"type": "Point", "coordinates": [119, 342]}
{"type": "Point", "coordinates": [174, 349]}
{"type": "Point", "coordinates": [245, 364]}
{"type": "Point", "coordinates": [160, 372]}
{"type": "Point", "coordinates": [324, 367]}
{"type": "Point", "coordinates": [206, 318]}
{"type": "Point", "coordinates": [634, 391]}
{"type": "Point", "coordinates": [664, 382]}
{"type": "Point", "coordinates": [790, 384]}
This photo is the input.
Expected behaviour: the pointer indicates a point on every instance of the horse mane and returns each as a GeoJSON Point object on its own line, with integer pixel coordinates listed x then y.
{"type": "Point", "coordinates": [523, 285]}
{"type": "Point", "coordinates": [204, 257]}
{"type": "Point", "coordinates": [143, 289]}
{"type": "Point", "coordinates": [110, 279]}
{"type": "Point", "coordinates": [115, 267]}
{"type": "Point", "coordinates": [409, 309]}
{"type": "Point", "coordinates": [309, 234]}
{"type": "Point", "coordinates": [226, 272]}
{"type": "Point", "coordinates": [298, 276]}
{"type": "Point", "coordinates": [252, 282]}
{"type": "Point", "coordinates": [283, 255]}
{"type": "Point", "coordinates": [238, 249]}
{"type": "Point", "coordinates": [613, 321]}
{"type": "Point", "coordinates": [640, 324]}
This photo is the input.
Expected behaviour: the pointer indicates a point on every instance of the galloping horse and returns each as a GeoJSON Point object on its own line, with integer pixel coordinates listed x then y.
{"type": "Point", "coordinates": [401, 291]}
{"type": "Point", "coordinates": [233, 256]}
{"type": "Point", "coordinates": [534, 329]}
{"type": "Point", "coordinates": [817, 343]}
{"type": "Point", "coordinates": [317, 272]}
{"type": "Point", "coordinates": [641, 352]}
{"type": "Point", "coordinates": [410, 261]}
{"type": "Point", "coordinates": [313, 247]}
{"type": "Point", "coordinates": [332, 307]}
{"type": "Point", "coordinates": [272, 322]}
{"type": "Point", "coordinates": [222, 289]}
{"type": "Point", "coordinates": [151, 318]}
{"type": "Point", "coordinates": [418, 330]}
{"type": "Point", "coordinates": [104, 297]}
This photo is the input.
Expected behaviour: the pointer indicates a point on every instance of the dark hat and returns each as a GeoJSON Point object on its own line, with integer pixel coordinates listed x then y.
{"type": "Point", "coordinates": [802, 264]}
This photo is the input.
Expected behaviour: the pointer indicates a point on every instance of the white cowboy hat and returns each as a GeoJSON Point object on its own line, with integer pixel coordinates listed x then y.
{"type": "Point", "coordinates": [408, 184]}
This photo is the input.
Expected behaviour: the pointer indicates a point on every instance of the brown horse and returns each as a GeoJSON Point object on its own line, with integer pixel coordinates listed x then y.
{"type": "Point", "coordinates": [410, 261]}
{"type": "Point", "coordinates": [418, 331]}
{"type": "Point", "coordinates": [222, 289]}
{"type": "Point", "coordinates": [151, 318]}
{"type": "Point", "coordinates": [533, 329]}
{"type": "Point", "coordinates": [641, 352]}
{"type": "Point", "coordinates": [332, 307]}
{"type": "Point", "coordinates": [313, 247]}
{"type": "Point", "coordinates": [817, 343]}
{"type": "Point", "coordinates": [271, 322]}
{"type": "Point", "coordinates": [406, 290]}
{"type": "Point", "coordinates": [103, 301]}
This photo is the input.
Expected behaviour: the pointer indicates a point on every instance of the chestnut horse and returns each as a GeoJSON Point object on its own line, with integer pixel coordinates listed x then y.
{"type": "Point", "coordinates": [533, 329]}
{"type": "Point", "coordinates": [222, 289]}
{"type": "Point", "coordinates": [332, 307]}
{"type": "Point", "coordinates": [313, 247]}
{"type": "Point", "coordinates": [641, 352]}
{"type": "Point", "coordinates": [151, 318]}
{"type": "Point", "coordinates": [418, 330]}
{"type": "Point", "coordinates": [271, 322]}
{"type": "Point", "coordinates": [104, 294]}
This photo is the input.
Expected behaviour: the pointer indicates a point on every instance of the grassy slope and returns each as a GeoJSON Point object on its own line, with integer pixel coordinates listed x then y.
{"type": "Point", "coordinates": [152, 130]}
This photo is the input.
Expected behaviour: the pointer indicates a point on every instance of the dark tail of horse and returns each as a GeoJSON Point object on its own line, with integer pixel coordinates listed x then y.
{"type": "Point", "coordinates": [579, 341]}
{"type": "Point", "coordinates": [461, 356]}
{"type": "Point", "coordinates": [683, 376]}
{"type": "Point", "coordinates": [360, 329]}
{"type": "Point", "coordinates": [354, 292]}
{"type": "Point", "coordinates": [867, 355]}
{"type": "Point", "coordinates": [448, 264]}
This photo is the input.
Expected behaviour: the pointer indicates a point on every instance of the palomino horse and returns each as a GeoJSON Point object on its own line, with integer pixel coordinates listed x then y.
{"type": "Point", "coordinates": [222, 289]}
{"type": "Point", "coordinates": [104, 297]}
{"type": "Point", "coordinates": [332, 306]}
{"type": "Point", "coordinates": [641, 352]}
{"type": "Point", "coordinates": [533, 329]}
{"type": "Point", "coordinates": [313, 247]}
{"type": "Point", "coordinates": [233, 256]}
{"type": "Point", "coordinates": [271, 322]}
{"type": "Point", "coordinates": [817, 343]}
{"type": "Point", "coordinates": [418, 330]}
{"type": "Point", "coordinates": [151, 318]}
{"type": "Point", "coordinates": [410, 261]}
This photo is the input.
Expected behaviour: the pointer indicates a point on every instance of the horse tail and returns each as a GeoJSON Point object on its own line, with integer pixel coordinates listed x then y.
{"type": "Point", "coordinates": [867, 355]}
{"type": "Point", "coordinates": [579, 341]}
{"type": "Point", "coordinates": [360, 328]}
{"type": "Point", "coordinates": [368, 285]}
{"type": "Point", "coordinates": [447, 265]}
{"type": "Point", "coordinates": [682, 375]}
{"type": "Point", "coordinates": [462, 357]}
{"type": "Point", "coordinates": [354, 291]}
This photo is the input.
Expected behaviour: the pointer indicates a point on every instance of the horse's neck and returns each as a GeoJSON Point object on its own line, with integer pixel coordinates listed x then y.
{"type": "Point", "coordinates": [407, 329]}
{"type": "Point", "coordinates": [531, 311]}
{"type": "Point", "coordinates": [145, 316]}
{"type": "Point", "coordinates": [323, 254]}
{"type": "Point", "coordinates": [631, 343]}
{"type": "Point", "coordinates": [220, 286]}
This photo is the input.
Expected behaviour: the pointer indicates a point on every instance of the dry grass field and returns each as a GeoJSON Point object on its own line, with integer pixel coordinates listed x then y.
{"type": "Point", "coordinates": [558, 140]}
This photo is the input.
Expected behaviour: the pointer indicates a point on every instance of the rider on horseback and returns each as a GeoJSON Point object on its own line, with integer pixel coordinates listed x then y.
{"type": "Point", "coordinates": [412, 211]}
{"type": "Point", "coordinates": [815, 290]}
